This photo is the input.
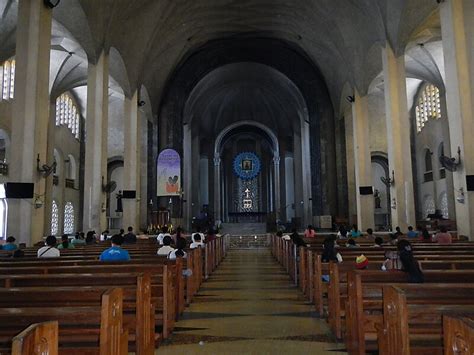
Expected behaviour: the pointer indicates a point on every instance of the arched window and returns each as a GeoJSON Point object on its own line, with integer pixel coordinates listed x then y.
{"type": "Point", "coordinates": [54, 219]}
{"type": "Point", "coordinates": [442, 170]}
{"type": "Point", "coordinates": [429, 205]}
{"type": "Point", "coordinates": [67, 114]}
{"type": "Point", "coordinates": [428, 106]}
{"type": "Point", "coordinates": [68, 218]}
{"type": "Point", "coordinates": [443, 205]}
{"type": "Point", "coordinates": [428, 166]}
{"type": "Point", "coordinates": [7, 79]}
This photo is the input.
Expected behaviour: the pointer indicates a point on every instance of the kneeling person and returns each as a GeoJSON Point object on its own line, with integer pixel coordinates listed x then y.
{"type": "Point", "coordinates": [115, 253]}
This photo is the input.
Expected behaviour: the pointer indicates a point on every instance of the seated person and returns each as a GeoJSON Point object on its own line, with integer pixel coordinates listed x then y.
{"type": "Point", "coordinates": [412, 233]}
{"type": "Point", "coordinates": [310, 232]}
{"type": "Point", "coordinates": [393, 239]}
{"type": "Point", "coordinates": [197, 242]}
{"type": "Point", "coordinates": [90, 238]}
{"type": "Point", "coordinates": [166, 249]}
{"type": "Point", "coordinates": [211, 235]}
{"type": "Point", "coordinates": [355, 233]}
{"type": "Point", "coordinates": [342, 232]}
{"type": "Point", "coordinates": [10, 244]}
{"type": "Point", "coordinates": [296, 239]}
{"type": "Point", "coordinates": [65, 243]}
{"type": "Point", "coordinates": [409, 264]}
{"type": "Point", "coordinates": [352, 244]}
{"type": "Point", "coordinates": [378, 242]}
{"type": "Point", "coordinates": [115, 252]}
{"type": "Point", "coordinates": [179, 251]}
{"type": "Point", "coordinates": [398, 232]}
{"type": "Point", "coordinates": [443, 236]}
{"type": "Point", "coordinates": [130, 237]}
{"type": "Point", "coordinates": [425, 236]}
{"type": "Point", "coordinates": [49, 250]}
{"type": "Point", "coordinates": [329, 252]}
{"type": "Point", "coordinates": [370, 233]}
{"type": "Point", "coordinates": [79, 239]}
{"type": "Point", "coordinates": [164, 233]}
{"type": "Point", "coordinates": [392, 261]}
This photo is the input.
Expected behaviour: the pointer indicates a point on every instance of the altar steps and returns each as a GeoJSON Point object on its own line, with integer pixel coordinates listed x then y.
{"type": "Point", "coordinates": [241, 229]}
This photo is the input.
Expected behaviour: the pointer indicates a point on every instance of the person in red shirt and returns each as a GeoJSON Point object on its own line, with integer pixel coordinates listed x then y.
{"type": "Point", "coordinates": [310, 232]}
{"type": "Point", "coordinates": [443, 236]}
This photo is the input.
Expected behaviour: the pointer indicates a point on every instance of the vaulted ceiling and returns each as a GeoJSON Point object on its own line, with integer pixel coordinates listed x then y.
{"type": "Point", "coordinates": [152, 37]}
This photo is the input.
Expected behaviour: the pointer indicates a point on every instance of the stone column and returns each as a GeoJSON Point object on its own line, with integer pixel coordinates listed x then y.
{"type": "Point", "coordinates": [458, 43]}
{"type": "Point", "coordinates": [131, 161]}
{"type": "Point", "coordinates": [95, 172]}
{"type": "Point", "coordinates": [48, 198]}
{"type": "Point", "coordinates": [143, 173]}
{"type": "Point", "coordinates": [351, 186]}
{"type": "Point", "coordinates": [30, 117]}
{"type": "Point", "coordinates": [363, 164]}
{"type": "Point", "coordinates": [217, 189]}
{"type": "Point", "coordinates": [398, 139]}
{"type": "Point", "coordinates": [276, 187]}
{"type": "Point", "coordinates": [306, 173]}
{"type": "Point", "coordinates": [187, 175]}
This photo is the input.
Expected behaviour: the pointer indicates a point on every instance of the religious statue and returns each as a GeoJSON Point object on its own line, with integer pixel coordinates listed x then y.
{"type": "Point", "coordinates": [377, 199]}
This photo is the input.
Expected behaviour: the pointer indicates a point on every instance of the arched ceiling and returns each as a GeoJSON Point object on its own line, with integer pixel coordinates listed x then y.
{"type": "Point", "coordinates": [152, 37]}
{"type": "Point", "coordinates": [245, 91]}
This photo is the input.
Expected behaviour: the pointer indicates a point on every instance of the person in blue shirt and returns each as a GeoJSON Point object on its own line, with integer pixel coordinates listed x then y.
{"type": "Point", "coordinates": [115, 253]}
{"type": "Point", "coordinates": [10, 244]}
{"type": "Point", "coordinates": [411, 233]}
{"type": "Point", "coordinates": [355, 233]}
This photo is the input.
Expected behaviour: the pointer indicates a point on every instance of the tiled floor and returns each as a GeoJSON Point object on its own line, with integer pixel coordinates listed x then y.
{"type": "Point", "coordinates": [248, 306]}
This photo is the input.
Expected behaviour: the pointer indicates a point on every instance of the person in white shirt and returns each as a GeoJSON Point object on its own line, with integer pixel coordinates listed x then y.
{"type": "Point", "coordinates": [166, 249]}
{"type": "Point", "coordinates": [197, 241]}
{"type": "Point", "coordinates": [49, 250]}
{"type": "Point", "coordinates": [179, 251]}
{"type": "Point", "coordinates": [164, 233]}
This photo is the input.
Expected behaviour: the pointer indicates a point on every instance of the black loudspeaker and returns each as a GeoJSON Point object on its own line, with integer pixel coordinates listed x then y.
{"type": "Point", "coordinates": [366, 190]}
{"type": "Point", "coordinates": [470, 182]}
{"type": "Point", "coordinates": [129, 194]}
{"type": "Point", "coordinates": [19, 190]}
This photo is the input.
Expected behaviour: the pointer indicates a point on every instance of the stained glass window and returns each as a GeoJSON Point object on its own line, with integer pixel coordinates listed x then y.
{"type": "Point", "coordinates": [69, 218]}
{"type": "Point", "coordinates": [428, 106]}
{"type": "Point", "coordinates": [67, 114]}
{"type": "Point", "coordinates": [55, 219]}
{"type": "Point", "coordinates": [7, 79]}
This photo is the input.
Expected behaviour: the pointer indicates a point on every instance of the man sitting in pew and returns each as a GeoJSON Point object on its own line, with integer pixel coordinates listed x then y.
{"type": "Point", "coordinates": [166, 249]}
{"type": "Point", "coordinates": [115, 252]}
{"type": "Point", "coordinates": [49, 250]}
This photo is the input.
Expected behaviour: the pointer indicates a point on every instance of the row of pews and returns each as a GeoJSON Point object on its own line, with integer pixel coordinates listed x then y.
{"type": "Point", "coordinates": [79, 305]}
{"type": "Point", "coordinates": [379, 311]}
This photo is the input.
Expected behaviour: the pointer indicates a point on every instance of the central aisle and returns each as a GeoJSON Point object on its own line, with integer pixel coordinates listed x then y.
{"type": "Point", "coordinates": [249, 306]}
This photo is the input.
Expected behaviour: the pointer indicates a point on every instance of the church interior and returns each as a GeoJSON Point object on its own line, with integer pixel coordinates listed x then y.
{"type": "Point", "coordinates": [308, 160]}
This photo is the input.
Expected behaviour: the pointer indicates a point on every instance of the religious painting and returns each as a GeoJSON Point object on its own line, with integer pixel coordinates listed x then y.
{"type": "Point", "coordinates": [247, 165]}
{"type": "Point", "coordinates": [168, 173]}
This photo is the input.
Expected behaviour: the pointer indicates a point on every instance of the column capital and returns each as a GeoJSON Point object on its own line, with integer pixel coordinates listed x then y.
{"type": "Point", "coordinates": [217, 160]}
{"type": "Point", "coordinates": [276, 160]}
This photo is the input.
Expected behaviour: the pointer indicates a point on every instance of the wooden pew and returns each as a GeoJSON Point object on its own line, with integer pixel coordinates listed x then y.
{"type": "Point", "coordinates": [142, 330]}
{"type": "Point", "coordinates": [458, 334]}
{"type": "Point", "coordinates": [413, 318]}
{"type": "Point", "coordinates": [92, 329]}
{"type": "Point", "coordinates": [364, 300]}
{"type": "Point", "coordinates": [38, 338]}
{"type": "Point", "coordinates": [163, 287]}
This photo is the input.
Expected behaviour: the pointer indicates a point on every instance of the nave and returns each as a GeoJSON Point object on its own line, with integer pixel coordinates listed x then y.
{"type": "Point", "coordinates": [250, 306]}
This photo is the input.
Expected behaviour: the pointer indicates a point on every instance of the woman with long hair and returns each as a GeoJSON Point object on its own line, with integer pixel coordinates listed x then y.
{"type": "Point", "coordinates": [409, 264]}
